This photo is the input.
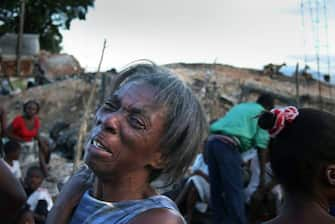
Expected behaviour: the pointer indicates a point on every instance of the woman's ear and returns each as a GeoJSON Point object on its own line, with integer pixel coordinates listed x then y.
{"type": "Point", "coordinates": [330, 174]}
{"type": "Point", "coordinates": [157, 162]}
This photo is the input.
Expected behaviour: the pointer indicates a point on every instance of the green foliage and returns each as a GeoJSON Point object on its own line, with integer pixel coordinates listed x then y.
{"type": "Point", "coordinates": [44, 17]}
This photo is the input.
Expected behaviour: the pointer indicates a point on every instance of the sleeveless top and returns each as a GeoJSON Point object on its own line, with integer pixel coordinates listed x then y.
{"type": "Point", "coordinates": [93, 211]}
{"type": "Point", "coordinates": [21, 130]}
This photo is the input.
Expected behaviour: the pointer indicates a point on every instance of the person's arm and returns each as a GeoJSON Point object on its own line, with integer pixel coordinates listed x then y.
{"type": "Point", "coordinates": [262, 160]}
{"type": "Point", "coordinates": [3, 121]}
{"type": "Point", "coordinates": [70, 196]}
{"type": "Point", "coordinates": [10, 134]}
{"type": "Point", "coordinates": [42, 154]}
{"type": "Point", "coordinates": [262, 139]}
{"type": "Point", "coordinates": [158, 215]}
{"type": "Point", "coordinates": [12, 194]}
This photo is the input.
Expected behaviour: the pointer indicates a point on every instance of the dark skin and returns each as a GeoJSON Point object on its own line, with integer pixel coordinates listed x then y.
{"type": "Point", "coordinates": [190, 195]}
{"type": "Point", "coordinates": [43, 155]}
{"type": "Point", "coordinates": [12, 195]}
{"type": "Point", "coordinates": [303, 208]}
{"type": "Point", "coordinates": [13, 155]}
{"type": "Point", "coordinates": [124, 147]}
{"type": "Point", "coordinates": [33, 181]}
{"type": "Point", "coordinates": [29, 113]}
{"type": "Point", "coordinates": [26, 218]}
{"type": "Point", "coordinates": [262, 157]}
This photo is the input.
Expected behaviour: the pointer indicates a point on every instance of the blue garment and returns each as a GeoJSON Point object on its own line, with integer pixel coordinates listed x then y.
{"type": "Point", "coordinates": [332, 210]}
{"type": "Point", "coordinates": [226, 182]}
{"type": "Point", "coordinates": [93, 211]}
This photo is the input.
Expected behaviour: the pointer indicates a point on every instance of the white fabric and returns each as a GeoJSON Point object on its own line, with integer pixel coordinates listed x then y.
{"type": "Point", "coordinates": [254, 179]}
{"type": "Point", "coordinates": [199, 164]}
{"type": "Point", "coordinates": [255, 172]}
{"type": "Point", "coordinates": [28, 155]}
{"type": "Point", "coordinates": [15, 169]}
{"type": "Point", "coordinates": [200, 183]}
{"type": "Point", "coordinates": [39, 194]}
{"type": "Point", "coordinates": [203, 190]}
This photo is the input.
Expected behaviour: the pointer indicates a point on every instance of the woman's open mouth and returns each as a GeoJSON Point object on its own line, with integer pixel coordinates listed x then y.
{"type": "Point", "coordinates": [99, 145]}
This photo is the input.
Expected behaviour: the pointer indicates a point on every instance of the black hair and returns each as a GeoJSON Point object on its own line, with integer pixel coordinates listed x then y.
{"type": "Point", "coordinates": [35, 168]}
{"type": "Point", "coordinates": [33, 102]}
{"type": "Point", "coordinates": [266, 100]}
{"type": "Point", "coordinates": [298, 153]}
{"type": "Point", "coordinates": [21, 212]}
{"type": "Point", "coordinates": [11, 146]}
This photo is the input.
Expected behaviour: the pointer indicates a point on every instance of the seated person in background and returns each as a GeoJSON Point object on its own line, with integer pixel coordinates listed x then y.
{"type": "Point", "coordinates": [195, 193]}
{"type": "Point", "coordinates": [39, 199]}
{"type": "Point", "coordinates": [25, 129]}
{"type": "Point", "coordinates": [142, 131]}
{"type": "Point", "coordinates": [12, 151]}
{"type": "Point", "coordinates": [12, 195]}
{"type": "Point", "coordinates": [302, 158]}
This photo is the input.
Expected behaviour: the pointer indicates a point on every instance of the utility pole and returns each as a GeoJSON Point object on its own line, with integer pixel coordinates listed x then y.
{"type": "Point", "coordinates": [297, 97]}
{"type": "Point", "coordinates": [19, 38]}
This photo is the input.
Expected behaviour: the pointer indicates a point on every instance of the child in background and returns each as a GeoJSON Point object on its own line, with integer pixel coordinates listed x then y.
{"type": "Point", "coordinates": [12, 151]}
{"type": "Point", "coordinates": [25, 216]}
{"type": "Point", "coordinates": [302, 157]}
{"type": "Point", "coordinates": [39, 199]}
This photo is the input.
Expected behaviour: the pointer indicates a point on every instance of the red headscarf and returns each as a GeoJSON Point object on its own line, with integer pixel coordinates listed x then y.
{"type": "Point", "coordinates": [283, 116]}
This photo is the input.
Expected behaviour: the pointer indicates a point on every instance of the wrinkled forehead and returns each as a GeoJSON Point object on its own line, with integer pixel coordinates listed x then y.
{"type": "Point", "coordinates": [139, 92]}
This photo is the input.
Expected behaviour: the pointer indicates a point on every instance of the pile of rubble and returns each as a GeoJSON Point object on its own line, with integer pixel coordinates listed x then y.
{"type": "Point", "coordinates": [217, 86]}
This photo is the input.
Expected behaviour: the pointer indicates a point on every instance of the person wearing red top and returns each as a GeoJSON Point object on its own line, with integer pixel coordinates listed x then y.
{"type": "Point", "coordinates": [21, 130]}
{"type": "Point", "coordinates": [25, 129]}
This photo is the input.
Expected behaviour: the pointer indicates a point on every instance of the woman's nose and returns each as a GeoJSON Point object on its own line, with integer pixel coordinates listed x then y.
{"type": "Point", "coordinates": [110, 122]}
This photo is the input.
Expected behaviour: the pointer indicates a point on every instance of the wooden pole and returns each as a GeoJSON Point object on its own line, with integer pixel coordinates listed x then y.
{"type": "Point", "coordinates": [84, 124]}
{"type": "Point", "coordinates": [19, 39]}
{"type": "Point", "coordinates": [103, 88]}
{"type": "Point", "coordinates": [297, 97]}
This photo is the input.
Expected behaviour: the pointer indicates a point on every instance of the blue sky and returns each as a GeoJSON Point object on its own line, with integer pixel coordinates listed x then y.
{"type": "Point", "coordinates": [237, 32]}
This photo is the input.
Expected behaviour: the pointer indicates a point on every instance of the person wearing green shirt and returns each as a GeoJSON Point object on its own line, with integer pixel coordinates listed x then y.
{"type": "Point", "coordinates": [234, 133]}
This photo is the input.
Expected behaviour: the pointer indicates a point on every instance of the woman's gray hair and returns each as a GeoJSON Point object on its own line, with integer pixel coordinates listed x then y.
{"type": "Point", "coordinates": [185, 125]}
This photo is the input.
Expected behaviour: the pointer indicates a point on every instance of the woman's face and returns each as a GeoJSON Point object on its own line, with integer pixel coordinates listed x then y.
{"type": "Point", "coordinates": [30, 109]}
{"type": "Point", "coordinates": [126, 137]}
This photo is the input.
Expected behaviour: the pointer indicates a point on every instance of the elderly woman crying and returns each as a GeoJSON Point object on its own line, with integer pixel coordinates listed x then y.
{"type": "Point", "coordinates": [150, 125]}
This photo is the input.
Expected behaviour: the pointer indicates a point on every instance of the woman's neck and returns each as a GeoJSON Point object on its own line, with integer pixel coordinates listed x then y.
{"type": "Point", "coordinates": [27, 118]}
{"type": "Point", "coordinates": [127, 187]}
{"type": "Point", "coordinates": [304, 207]}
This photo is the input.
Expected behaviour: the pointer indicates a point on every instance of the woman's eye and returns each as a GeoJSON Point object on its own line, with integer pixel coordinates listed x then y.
{"type": "Point", "coordinates": [136, 122]}
{"type": "Point", "coordinates": [110, 106]}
